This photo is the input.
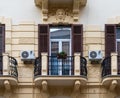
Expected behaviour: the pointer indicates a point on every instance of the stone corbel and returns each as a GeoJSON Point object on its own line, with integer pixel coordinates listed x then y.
{"type": "Point", "coordinates": [7, 85]}
{"type": "Point", "coordinates": [45, 9]}
{"type": "Point", "coordinates": [44, 85]}
{"type": "Point", "coordinates": [76, 5]}
{"type": "Point", "coordinates": [77, 85]}
{"type": "Point", "coordinates": [113, 85]}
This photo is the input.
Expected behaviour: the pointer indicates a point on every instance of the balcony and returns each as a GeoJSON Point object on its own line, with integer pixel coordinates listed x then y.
{"type": "Point", "coordinates": [111, 71]}
{"type": "Point", "coordinates": [8, 71]}
{"type": "Point", "coordinates": [60, 72]}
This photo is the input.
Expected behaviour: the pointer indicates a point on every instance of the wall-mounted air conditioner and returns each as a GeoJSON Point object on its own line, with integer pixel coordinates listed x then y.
{"type": "Point", "coordinates": [95, 55]}
{"type": "Point", "coordinates": [27, 55]}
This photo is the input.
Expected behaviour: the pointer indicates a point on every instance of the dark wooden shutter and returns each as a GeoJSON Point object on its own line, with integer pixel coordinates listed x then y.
{"type": "Point", "coordinates": [77, 38]}
{"type": "Point", "coordinates": [43, 38]}
{"type": "Point", "coordinates": [2, 45]}
{"type": "Point", "coordinates": [110, 39]}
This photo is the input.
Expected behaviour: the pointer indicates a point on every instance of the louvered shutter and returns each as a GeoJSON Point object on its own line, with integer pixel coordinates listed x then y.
{"type": "Point", "coordinates": [77, 38]}
{"type": "Point", "coordinates": [2, 45]}
{"type": "Point", "coordinates": [43, 38]}
{"type": "Point", "coordinates": [110, 39]}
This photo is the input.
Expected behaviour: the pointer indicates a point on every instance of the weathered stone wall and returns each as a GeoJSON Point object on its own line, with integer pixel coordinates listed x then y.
{"type": "Point", "coordinates": [24, 36]}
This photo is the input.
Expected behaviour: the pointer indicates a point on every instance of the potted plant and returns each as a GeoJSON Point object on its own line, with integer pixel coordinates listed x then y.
{"type": "Point", "coordinates": [62, 55]}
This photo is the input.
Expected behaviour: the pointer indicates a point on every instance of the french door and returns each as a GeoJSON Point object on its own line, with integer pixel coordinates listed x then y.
{"type": "Point", "coordinates": [60, 66]}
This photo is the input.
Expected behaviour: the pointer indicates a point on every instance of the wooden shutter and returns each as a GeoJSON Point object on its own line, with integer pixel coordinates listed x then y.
{"type": "Point", "coordinates": [77, 38]}
{"type": "Point", "coordinates": [43, 38]}
{"type": "Point", "coordinates": [2, 45]}
{"type": "Point", "coordinates": [110, 39]}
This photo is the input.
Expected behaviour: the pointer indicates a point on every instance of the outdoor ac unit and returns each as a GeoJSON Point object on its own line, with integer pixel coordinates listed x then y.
{"type": "Point", "coordinates": [95, 55]}
{"type": "Point", "coordinates": [27, 55]}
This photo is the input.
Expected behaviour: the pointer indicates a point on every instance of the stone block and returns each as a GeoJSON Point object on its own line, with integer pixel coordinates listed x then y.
{"type": "Point", "coordinates": [15, 41]}
{"type": "Point", "coordinates": [22, 34]}
{"type": "Point", "coordinates": [16, 54]}
{"type": "Point", "coordinates": [8, 47]}
{"type": "Point", "coordinates": [23, 28]}
{"type": "Point", "coordinates": [36, 34]}
{"type": "Point", "coordinates": [36, 41]}
{"type": "Point", "coordinates": [22, 47]}
{"type": "Point", "coordinates": [93, 96]}
{"type": "Point", "coordinates": [118, 19]}
{"type": "Point", "coordinates": [93, 34]}
{"type": "Point", "coordinates": [24, 90]}
{"type": "Point", "coordinates": [26, 40]}
{"type": "Point", "coordinates": [103, 41]}
{"type": "Point", "coordinates": [8, 23]}
{"type": "Point", "coordinates": [25, 95]}
{"type": "Point", "coordinates": [8, 34]}
{"type": "Point", "coordinates": [8, 41]}
{"type": "Point", "coordinates": [94, 90]}
{"type": "Point", "coordinates": [92, 28]}
{"type": "Point", "coordinates": [27, 23]}
{"type": "Point", "coordinates": [36, 47]}
{"type": "Point", "coordinates": [36, 53]}
{"type": "Point", "coordinates": [36, 28]}
{"type": "Point", "coordinates": [93, 40]}
{"type": "Point", "coordinates": [95, 47]}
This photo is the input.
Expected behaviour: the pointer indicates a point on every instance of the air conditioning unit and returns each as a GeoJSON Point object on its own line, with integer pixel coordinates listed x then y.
{"type": "Point", "coordinates": [95, 55]}
{"type": "Point", "coordinates": [27, 55]}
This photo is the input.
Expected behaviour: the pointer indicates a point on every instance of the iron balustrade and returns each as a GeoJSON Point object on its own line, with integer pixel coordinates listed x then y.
{"type": "Point", "coordinates": [60, 66]}
{"type": "Point", "coordinates": [13, 66]}
{"type": "Point", "coordinates": [106, 66]}
{"type": "Point", "coordinates": [83, 67]}
{"type": "Point", "coordinates": [37, 68]}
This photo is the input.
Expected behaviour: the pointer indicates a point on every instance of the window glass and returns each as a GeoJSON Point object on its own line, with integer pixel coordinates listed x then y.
{"type": "Point", "coordinates": [118, 33]}
{"type": "Point", "coordinates": [60, 33]}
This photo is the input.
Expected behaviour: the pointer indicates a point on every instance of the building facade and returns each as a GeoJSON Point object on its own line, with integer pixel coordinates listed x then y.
{"type": "Point", "coordinates": [59, 49]}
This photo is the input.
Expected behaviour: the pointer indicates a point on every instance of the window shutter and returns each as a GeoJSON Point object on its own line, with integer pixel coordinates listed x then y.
{"type": "Point", "coordinates": [110, 39]}
{"type": "Point", "coordinates": [77, 38]}
{"type": "Point", "coordinates": [43, 38]}
{"type": "Point", "coordinates": [2, 45]}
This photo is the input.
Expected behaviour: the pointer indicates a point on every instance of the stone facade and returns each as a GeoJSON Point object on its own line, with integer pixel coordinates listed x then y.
{"type": "Point", "coordinates": [24, 36]}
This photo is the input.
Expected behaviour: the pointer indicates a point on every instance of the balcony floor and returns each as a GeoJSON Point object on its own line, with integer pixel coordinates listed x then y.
{"type": "Point", "coordinates": [60, 80]}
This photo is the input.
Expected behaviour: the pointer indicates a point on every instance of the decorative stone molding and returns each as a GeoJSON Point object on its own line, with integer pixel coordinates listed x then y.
{"type": "Point", "coordinates": [7, 85]}
{"type": "Point", "coordinates": [113, 85]}
{"type": "Point", "coordinates": [60, 11]}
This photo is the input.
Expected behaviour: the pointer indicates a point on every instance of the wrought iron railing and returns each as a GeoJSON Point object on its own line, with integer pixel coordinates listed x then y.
{"type": "Point", "coordinates": [106, 66]}
{"type": "Point", "coordinates": [61, 66]}
{"type": "Point", "coordinates": [13, 66]}
{"type": "Point", "coordinates": [37, 68]}
{"type": "Point", "coordinates": [83, 67]}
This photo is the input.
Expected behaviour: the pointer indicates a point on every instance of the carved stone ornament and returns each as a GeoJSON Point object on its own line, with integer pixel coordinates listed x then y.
{"type": "Point", "coordinates": [64, 10]}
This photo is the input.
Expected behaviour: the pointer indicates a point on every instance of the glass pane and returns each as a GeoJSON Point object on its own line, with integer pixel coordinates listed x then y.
{"type": "Point", "coordinates": [54, 48]}
{"type": "Point", "coordinates": [65, 47]}
{"type": "Point", "coordinates": [118, 33]}
{"type": "Point", "coordinates": [60, 33]}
